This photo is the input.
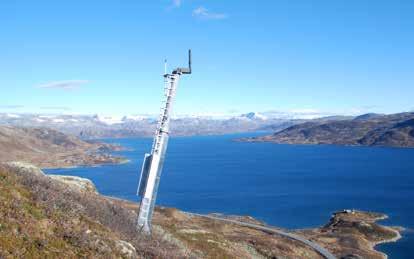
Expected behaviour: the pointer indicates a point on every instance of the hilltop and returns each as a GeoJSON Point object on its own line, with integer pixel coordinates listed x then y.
{"type": "Point", "coordinates": [49, 217]}
{"type": "Point", "coordinates": [50, 148]}
{"type": "Point", "coordinates": [395, 130]}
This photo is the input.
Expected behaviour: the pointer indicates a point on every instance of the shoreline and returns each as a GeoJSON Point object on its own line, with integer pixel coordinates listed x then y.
{"type": "Point", "coordinates": [392, 240]}
{"type": "Point", "coordinates": [396, 230]}
{"type": "Point", "coordinates": [124, 161]}
{"type": "Point", "coordinates": [259, 140]}
{"type": "Point", "coordinates": [301, 232]}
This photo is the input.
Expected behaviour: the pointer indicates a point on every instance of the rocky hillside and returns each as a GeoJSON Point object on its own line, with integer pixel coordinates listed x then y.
{"type": "Point", "coordinates": [396, 130]}
{"type": "Point", "coordinates": [61, 217]}
{"type": "Point", "coordinates": [41, 217]}
{"type": "Point", "coordinates": [50, 148]}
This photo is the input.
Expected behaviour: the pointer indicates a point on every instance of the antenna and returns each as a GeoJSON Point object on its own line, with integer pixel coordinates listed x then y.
{"type": "Point", "coordinates": [189, 60]}
{"type": "Point", "coordinates": [165, 66]}
{"type": "Point", "coordinates": [184, 70]}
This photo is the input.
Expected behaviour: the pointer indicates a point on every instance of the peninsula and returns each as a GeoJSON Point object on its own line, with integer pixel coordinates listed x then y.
{"type": "Point", "coordinates": [48, 148]}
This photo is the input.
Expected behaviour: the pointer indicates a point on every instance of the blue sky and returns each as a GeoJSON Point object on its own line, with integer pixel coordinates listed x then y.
{"type": "Point", "coordinates": [107, 56]}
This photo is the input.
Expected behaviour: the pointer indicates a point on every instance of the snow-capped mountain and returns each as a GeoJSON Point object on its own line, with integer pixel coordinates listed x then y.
{"type": "Point", "coordinates": [108, 120]}
{"type": "Point", "coordinates": [254, 116]}
{"type": "Point", "coordinates": [134, 118]}
{"type": "Point", "coordinates": [97, 126]}
{"type": "Point", "coordinates": [10, 115]}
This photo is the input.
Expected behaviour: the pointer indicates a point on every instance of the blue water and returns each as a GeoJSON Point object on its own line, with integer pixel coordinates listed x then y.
{"type": "Point", "coordinates": [292, 186]}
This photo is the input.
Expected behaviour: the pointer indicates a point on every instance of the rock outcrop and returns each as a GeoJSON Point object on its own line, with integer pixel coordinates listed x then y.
{"type": "Point", "coordinates": [79, 183]}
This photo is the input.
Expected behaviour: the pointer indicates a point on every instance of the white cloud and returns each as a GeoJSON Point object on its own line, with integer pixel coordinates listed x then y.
{"type": "Point", "coordinates": [204, 13]}
{"type": "Point", "coordinates": [68, 84]}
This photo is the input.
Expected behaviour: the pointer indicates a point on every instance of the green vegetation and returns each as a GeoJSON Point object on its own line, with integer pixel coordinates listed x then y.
{"type": "Point", "coordinates": [28, 229]}
{"type": "Point", "coordinates": [41, 217]}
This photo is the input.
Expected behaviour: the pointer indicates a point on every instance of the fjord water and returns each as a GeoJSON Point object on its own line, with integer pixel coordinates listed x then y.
{"type": "Point", "coordinates": [291, 186]}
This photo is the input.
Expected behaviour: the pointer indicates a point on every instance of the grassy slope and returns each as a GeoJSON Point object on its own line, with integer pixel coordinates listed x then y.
{"type": "Point", "coordinates": [31, 230]}
{"type": "Point", "coordinates": [42, 218]}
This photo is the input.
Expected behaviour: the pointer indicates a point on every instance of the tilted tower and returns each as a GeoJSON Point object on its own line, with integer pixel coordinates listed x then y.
{"type": "Point", "coordinates": [153, 162]}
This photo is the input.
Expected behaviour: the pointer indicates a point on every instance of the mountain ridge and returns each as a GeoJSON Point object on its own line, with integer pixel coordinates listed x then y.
{"type": "Point", "coordinates": [98, 126]}
{"type": "Point", "coordinates": [395, 130]}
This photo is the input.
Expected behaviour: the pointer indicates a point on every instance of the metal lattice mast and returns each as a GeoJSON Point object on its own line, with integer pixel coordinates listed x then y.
{"type": "Point", "coordinates": [153, 163]}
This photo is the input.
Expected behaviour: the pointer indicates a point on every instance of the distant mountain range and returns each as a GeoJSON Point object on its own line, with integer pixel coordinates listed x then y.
{"type": "Point", "coordinates": [371, 129]}
{"type": "Point", "coordinates": [98, 126]}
